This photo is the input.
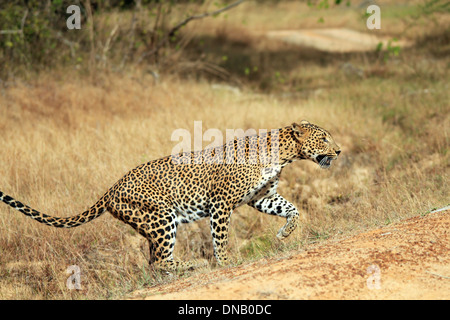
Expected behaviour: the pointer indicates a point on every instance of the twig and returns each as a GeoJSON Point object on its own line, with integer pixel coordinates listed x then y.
{"type": "Point", "coordinates": [58, 35]}
{"type": "Point", "coordinates": [87, 6]}
{"type": "Point", "coordinates": [108, 43]}
{"type": "Point", "coordinates": [154, 36]}
{"type": "Point", "coordinates": [438, 275]}
{"type": "Point", "coordinates": [22, 23]}
{"type": "Point", "coordinates": [10, 31]}
{"type": "Point", "coordinates": [132, 34]}
{"type": "Point", "coordinates": [183, 23]}
{"type": "Point", "coordinates": [203, 15]}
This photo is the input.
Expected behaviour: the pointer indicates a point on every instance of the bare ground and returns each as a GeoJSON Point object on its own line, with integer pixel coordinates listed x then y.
{"type": "Point", "coordinates": [334, 39]}
{"type": "Point", "coordinates": [405, 260]}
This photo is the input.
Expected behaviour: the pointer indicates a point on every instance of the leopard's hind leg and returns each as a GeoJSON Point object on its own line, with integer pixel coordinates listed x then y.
{"type": "Point", "coordinates": [157, 222]}
{"type": "Point", "coordinates": [161, 233]}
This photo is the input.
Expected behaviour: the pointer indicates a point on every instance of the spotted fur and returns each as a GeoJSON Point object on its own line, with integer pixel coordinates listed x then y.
{"type": "Point", "coordinates": [157, 196]}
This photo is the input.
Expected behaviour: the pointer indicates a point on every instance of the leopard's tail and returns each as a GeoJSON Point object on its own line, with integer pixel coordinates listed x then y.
{"type": "Point", "coordinates": [95, 211]}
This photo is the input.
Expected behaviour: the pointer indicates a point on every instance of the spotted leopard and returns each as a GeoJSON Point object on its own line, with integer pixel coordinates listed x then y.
{"type": "Point", "coordinates": [157, 196]}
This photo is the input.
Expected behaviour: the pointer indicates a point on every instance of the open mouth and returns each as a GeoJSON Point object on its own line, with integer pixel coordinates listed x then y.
{"type": "Point", "coordinates": [324, 161]}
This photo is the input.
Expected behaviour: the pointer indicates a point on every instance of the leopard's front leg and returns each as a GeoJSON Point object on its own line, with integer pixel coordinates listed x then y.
{"type": "Point", "coordinates": [277, 205]}
{"type": "Point", "coordinates": [291, 224]}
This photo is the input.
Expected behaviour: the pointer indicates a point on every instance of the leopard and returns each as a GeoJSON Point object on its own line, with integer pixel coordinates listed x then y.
{"type": "Point", "coordinates": [156, 197]}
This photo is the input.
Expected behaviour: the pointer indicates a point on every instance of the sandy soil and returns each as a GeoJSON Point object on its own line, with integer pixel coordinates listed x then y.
{"type": "Point", "coordinates": [334, 40]}
{"type": "Point", "coordinates": [406, 260]}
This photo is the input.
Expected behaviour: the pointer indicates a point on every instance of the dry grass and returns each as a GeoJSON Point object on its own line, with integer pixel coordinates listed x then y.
{"type": "Point", "coordinates": [66, 138]}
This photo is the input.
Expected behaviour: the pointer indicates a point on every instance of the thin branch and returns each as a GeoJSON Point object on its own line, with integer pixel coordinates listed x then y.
{"type": "Point", "coordinates": [132, 35]}
{"type": "Point", "coordinates": [22, 23]}
{"type": "Point", "coordinates": [201, 16]}
{"type": "Point", "coordinates": [58, 35]}
{"type": "Point", "coordinates": [106, 47]}
{"type": "Point", "coordinates": [183, 23]}
{"type": "Point", "coordinates": [438, 275]}
{"type": "Point", "coordinates": [10, 31]}
{"type": "Point", "coordinates": [154, 36]}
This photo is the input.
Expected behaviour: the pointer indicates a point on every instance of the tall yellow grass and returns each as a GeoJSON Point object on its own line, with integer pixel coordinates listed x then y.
{"type": "Point", "coordinates": [65, 142]}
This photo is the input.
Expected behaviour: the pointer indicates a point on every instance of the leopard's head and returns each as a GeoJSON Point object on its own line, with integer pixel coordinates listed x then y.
{"type": "Point", "coordinates": [315, 143]}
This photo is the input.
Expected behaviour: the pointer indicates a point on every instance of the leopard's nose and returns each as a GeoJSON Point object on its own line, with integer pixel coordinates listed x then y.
{"type": "Point", "coordinates": [338, 152]}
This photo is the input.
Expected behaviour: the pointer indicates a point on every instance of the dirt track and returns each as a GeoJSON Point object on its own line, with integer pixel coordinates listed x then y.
{"type": "Point", "coordinates": [334, 39]}
{"type": "Point", "coordinates": [406, 260]}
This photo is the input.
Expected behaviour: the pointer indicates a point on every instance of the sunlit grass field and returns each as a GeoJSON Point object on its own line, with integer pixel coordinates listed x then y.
{"type": "Point", "coordinates": [68, 136]}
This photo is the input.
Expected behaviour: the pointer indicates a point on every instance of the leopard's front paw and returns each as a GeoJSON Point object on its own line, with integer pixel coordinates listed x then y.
{"type": "Point", "coordinates": [287, 229]}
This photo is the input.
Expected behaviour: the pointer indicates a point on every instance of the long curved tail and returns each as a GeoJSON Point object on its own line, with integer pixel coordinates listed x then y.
{"type": "Point", "coordinates": [94, 212]}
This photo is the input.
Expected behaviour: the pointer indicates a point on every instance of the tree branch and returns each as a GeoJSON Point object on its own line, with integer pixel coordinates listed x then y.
{"type": "Point", "coordinates": [183, 23]}
{"type": "Point", "coordinates": [201, 16]}
{"type": "Point", "coordinates": [22, 23]}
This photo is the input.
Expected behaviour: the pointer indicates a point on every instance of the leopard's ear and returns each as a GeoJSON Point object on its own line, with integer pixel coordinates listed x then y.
{"type": "Point", "coordinates": [304, 122]}
{"type": "Point", "coordinates": [299, 130]}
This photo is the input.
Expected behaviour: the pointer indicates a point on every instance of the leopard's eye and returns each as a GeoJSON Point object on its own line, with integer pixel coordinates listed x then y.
{"type": "Point", "coordinates": [324, 140]}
